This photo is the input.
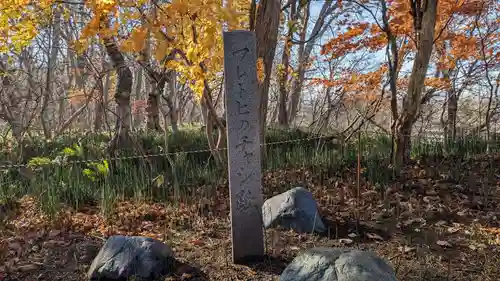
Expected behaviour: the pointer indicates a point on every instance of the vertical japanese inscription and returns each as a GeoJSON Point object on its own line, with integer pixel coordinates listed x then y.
{"type": "Point", "coordinates": [243, 138]}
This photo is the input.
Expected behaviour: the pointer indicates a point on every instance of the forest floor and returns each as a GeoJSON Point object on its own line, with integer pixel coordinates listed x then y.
{"type": "Point", "coordinates": [439, 221]}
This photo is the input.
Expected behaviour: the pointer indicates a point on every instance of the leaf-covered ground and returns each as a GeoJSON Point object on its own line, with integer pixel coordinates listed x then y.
{"type": "Point", "coordinates": [439, 221]}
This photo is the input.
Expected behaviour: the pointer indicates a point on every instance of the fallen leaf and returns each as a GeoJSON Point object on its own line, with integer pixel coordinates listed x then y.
{"type": "Point", "coordinates": [369, 193]}
{"type": "Point", "coordinates": [197, 242]}
{"type": "Point", "coordinates": [53, 243]}
{"type": "Point", "coordinates": [482, 246]}
{"type": "Point", "coordinates": [443, 243]}
{"type": "Point", "coordinates": [406, 249]}
{"type": "Point", "coordinates": [440, 223]}
{"type": "Point", "coordinates": [405, 214]}
{"type": "Point", "coordinates": [295, 248]}
{"type": "Point", "coordinates": [54, 233]}
{"type": "Point", "coordinates": [352, 235]}
{"type": "Point", "coordinates": [28, 267]}
{"type": "Point", "coordinates": [432, 193]}
{"type": "Point", "coordinates": [453, 229]}
{"type": "Point", "coordinates": [345, 241]}
{"type": "Point", "coordinates": [15, 246]}
{"type": "Point", "coordinates": [374, 236]}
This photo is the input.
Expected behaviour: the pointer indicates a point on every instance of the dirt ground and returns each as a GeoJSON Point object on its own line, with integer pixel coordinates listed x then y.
{"type": "Point", "coordinates": [440, 221]}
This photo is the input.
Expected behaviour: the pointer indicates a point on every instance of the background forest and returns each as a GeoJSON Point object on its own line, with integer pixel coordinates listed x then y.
{"type": "Point", "coordinates": [112, 110]}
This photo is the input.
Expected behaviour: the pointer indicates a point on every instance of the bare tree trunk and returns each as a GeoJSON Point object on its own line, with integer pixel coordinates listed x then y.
{"type": "Point", "coordinates": [193, 117]}
{"type": "Point", "coordinates": [100, 112]}
{"type": "Point", "coordinates": [211, 121]}
{"type": "Point", "coordinates": [182, 105]}
{"type": "Point", "coordinates": [8, 113]}
{"type": "Point", "coordinates": [394, 62]}
{"type": "Point", "coordinates": [266, 31]}
{"type": "Point", "coordinates": [283, 69]}
{"type": "Point", "coordinates": [63, 126]}
{"type": "Point", "coordinates": [493, 87]}
{"type": "Point", "coordinates": [53, 50]}
{"type": "Point", "coordinates": [169, 99]}
{"type": "Point", "coordinates": [122, 96]}
{"type": "Point", "coordinates": [76, 71]}
{"type": "Point", "coordinates": [304, 52]}
{"type": "Point", "coordinates": [137, 96]}
{"type": "Point", "coordinates": [154, 88]}
{"type": "Point", "coordinates": [275, 109]}
{"type": "Point", "coordinates": [413, 99]}
{"type": "Point", "coordinates": [153, 106]}
{"type": "Point", "coordinates": [451, 122]}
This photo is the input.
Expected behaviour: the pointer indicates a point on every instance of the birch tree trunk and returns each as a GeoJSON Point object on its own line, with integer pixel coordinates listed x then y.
{"type": "Point", "coordinates": [122, 96]}
{"type": "Point", "coordinates": [413, 99]}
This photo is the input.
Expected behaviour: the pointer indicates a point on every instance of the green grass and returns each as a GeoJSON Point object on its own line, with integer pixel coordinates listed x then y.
{"type": "Point", "coordinates": [66, 171]}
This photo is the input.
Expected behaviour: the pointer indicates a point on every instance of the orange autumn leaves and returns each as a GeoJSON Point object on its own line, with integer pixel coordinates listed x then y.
{"type": "Point", "coordinates": [456, 39]}
{"type": "Point", "coordinates": [360, 86]}
{"type": "Point", "coordinates": [358, 36]}
{"type": "Point", "coordinates": [362, 35]}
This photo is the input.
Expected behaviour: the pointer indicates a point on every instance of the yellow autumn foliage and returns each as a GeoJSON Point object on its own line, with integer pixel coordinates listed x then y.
{"type": "Point", "coordinates": [19, 20]}
{"type": "Point", "coordinates": [191, 27]}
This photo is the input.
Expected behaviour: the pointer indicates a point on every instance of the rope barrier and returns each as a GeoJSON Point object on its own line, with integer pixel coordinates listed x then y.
{"type": "Point", "coordinates": [83, 161]}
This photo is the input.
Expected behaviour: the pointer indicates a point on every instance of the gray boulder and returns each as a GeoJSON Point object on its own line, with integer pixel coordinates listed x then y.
{"type": "Point", "coordinates": [294, 209]}
{"type": "Point", "coordinates": [334, 264]}
{"type": "Point", "coordinates": [126, 257]}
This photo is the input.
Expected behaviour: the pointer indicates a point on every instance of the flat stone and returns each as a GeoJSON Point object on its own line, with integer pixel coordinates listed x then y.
{"type": "Point", "coordinates": [337, 264]}
{"type": "Point", "coordinates": [294, 209]}
{"type": "Point", "coordinates": [127, 257]}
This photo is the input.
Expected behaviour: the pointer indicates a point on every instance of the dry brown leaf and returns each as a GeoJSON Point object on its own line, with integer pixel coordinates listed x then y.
{"type": "Point", "coordinates": [346, 241]}
{"type": "Point", "coordinates": [15, 246]}
{"type": "Point", "coordinates": [374, 236]}
{"type": "Point", "coordinates": [197, 242]}
{"type": "Point", "coordinates": [54, 233]}
{"type": "Point", "coordinates": [27, 267]}
{"type": "Point", "coordinates": [440, 223]}
{"type": "Point", "coordinates": [443, 243]}
{"type": "Point", "coordinates": [406, 249]}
